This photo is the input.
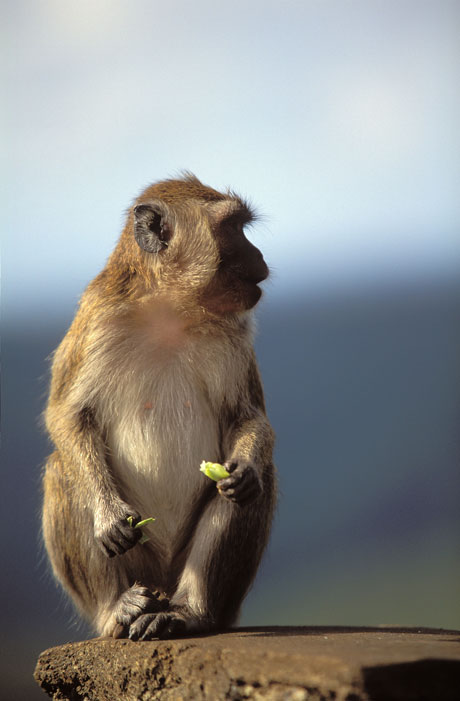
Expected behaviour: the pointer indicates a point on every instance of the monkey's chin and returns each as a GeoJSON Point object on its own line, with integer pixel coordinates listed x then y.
{"type": "Point", "coordinates": [245, 298]}
{"type": "Point", "coordinates": [254, 296]}
{"type": "Point", "coordinates": [250, 295]}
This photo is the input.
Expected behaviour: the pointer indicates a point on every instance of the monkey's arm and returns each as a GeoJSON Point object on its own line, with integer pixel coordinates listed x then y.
{"type": "Point", "coordinates": [249, 444]}
{"type": "Point", "coordinates": [73, 428]}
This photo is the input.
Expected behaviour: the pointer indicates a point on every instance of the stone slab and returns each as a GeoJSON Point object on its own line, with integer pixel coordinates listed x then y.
{"type": "Point", "coordinates": [285, 663]}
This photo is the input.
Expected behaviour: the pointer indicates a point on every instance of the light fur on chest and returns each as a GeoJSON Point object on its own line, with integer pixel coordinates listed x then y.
{"type": "Point", "coordinates": [158, 397]}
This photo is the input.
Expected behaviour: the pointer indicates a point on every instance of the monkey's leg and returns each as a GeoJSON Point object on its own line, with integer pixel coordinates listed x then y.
{"type": "Point", "coordinates": [105, 590]}
{"type": "Point", "coordinates": [224, 555]}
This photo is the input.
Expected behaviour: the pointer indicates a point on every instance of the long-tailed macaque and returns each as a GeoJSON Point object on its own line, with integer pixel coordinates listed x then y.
{"type": "Point", "coordinates": [156, 374]}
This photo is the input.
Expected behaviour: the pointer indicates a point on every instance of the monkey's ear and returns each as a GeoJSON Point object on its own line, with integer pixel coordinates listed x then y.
{"type": "Point", "coordinates": [152, 226]}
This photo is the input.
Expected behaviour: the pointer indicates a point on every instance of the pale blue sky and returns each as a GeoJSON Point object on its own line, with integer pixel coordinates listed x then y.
{"type": "Point", "coordinates": [337, 118]}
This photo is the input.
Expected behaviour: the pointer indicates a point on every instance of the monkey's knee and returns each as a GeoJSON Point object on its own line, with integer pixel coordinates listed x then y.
{"type": "Point", "coordinates": [55, 506]}
{"type": "Point", "coordinates": [220, 568]}
{"type": "Point", "coordinates": [63, 525]}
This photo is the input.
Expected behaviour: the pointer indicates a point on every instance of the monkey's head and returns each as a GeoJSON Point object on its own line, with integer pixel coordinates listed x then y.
{"type": "Point", "coordinates": [189, 240]}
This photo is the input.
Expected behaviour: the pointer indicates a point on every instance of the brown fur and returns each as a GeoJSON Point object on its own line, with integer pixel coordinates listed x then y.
{"type": "Point", "coordinates": [157, 368]}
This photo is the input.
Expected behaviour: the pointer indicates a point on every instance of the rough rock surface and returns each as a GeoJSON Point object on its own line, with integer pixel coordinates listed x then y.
{"type": "Point", "coordinates": [293, 664]}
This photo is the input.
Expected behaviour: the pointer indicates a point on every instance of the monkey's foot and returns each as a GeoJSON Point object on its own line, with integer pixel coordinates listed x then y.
{"type": "Point", "coordinates": [169, 624]}
{"type": "Point", "coordinates": [134, 602]}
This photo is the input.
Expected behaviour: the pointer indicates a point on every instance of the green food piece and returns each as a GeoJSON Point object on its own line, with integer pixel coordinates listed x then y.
{"type": "Point", "coordinates": [144, 538]}
{"type": "Point", "coordinates": [142, 523]}
{"type": "Point", "coordinates": [214, 470]}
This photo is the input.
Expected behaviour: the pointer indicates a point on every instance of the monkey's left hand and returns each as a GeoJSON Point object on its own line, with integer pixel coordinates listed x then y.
{"type": "Point", "coordinates": [244, 484]}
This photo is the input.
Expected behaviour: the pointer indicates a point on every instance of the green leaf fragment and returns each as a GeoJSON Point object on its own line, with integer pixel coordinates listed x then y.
{"type": "Point", "coordinates": [214, 470]}
{"type": "Point", "coordinates": [142, 523]}
{"type": "Point", "coordinates": [144, 538]}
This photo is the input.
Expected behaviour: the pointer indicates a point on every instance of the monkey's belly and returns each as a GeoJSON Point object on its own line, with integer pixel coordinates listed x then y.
{"type": "Point", "coordinates": [156, 456]}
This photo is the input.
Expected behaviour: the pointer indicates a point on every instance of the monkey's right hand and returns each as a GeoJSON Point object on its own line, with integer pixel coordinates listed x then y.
{"type": "Point", "coordinates": [112, 530]}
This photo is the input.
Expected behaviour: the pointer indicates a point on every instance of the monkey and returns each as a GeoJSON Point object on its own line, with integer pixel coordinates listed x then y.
{"type": "Point", "coordinates": [157, 373]}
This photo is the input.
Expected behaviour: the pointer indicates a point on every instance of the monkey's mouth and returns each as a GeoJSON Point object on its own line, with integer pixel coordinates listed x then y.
{"type": "Point", "coordinates": [251, 285]}
{"type": "Point", "coordinates": [258, 293]}
{"type": "Point", "coordinates": [256, 281]}
{"type": "Point", "coordinates": [257, 276]}
{"type": "Point", "coordinates": [251, 292]}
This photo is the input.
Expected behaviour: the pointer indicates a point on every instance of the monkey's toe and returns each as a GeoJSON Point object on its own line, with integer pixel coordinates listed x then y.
{"type": "Point", "coordinates": [140, 625]}
{"type": "Point", "coordinates": [135, 602]}
{"type": "Point", "coordinates": [163, 625]}
{"type": "Point", "coordinates": [174, 627]}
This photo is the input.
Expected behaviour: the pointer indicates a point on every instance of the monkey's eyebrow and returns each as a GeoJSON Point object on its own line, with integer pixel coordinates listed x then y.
{"type": "Point", "coordinates": [241, 213]}
{"type": "Point", "coordinates": [233, 210]}
{"type": "Point", "coordinates": [241, 216]}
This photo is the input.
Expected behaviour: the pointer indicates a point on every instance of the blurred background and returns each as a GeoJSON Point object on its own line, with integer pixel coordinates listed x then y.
{"type": "Point", "coordinates": [339, 120]}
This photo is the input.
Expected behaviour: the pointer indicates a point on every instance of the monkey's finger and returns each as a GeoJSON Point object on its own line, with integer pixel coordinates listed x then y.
{"type": "Point", "coordinates": [231, 465]}
{"type": "Point", "coordinates": [247, 496]}
{"type": "Point", "coordinates": [249, 489]}
{"type": "Point", "coordinates": [230, 482]}
{"type": "Point", "coordinates": [134, 519]}
{"type": "Point", "coordinates": [231, 488]}
{"type": "Point", "coordinates": [244, 492]}
{"type": "Point", "coordinates": [106, 549]}
{"type": "Point", "coordinates": [240, 501]}
{"type": "Point", "coordinates": [119, 539]}
{"type": "Point", "coordinates": [126, 541]}
{"type": "Point", "coordinates": [115, 542]}
{"type": "Point", "coordinates": [116, 548]}
{"type": "Point", "coordinates": [129, 533]}
{"type": "Point", "coordinates": [249, 483]}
